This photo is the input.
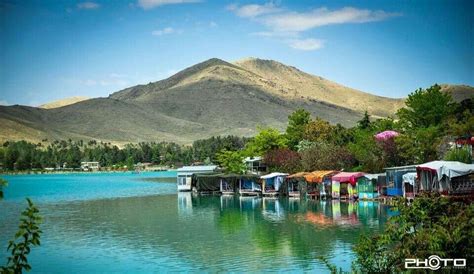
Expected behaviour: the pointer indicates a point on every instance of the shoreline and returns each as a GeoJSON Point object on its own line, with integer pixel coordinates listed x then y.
{"type": "Point", "coordinates": [45, 172]}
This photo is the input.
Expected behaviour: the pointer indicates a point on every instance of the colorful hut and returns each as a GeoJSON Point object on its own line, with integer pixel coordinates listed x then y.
{"type": "Point", "coordinates": [272, 182]}
{"type": "Point", "coordinates": [344, 185]}
{"type": "Point", "coordinates": [394, 179]}
{"type": "Point", "coordinates": [367, 186]}
{"type": "Point", "coordinates": [296, 185]}
{"type": "Point", "coordinates": [446, 177]}
{"type": "Point", "coordinates": [319, 183]}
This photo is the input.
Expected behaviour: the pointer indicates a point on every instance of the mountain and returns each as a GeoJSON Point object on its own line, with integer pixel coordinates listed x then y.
{"type": "Point", "coordinates": [214, 97]}
{"type": "Point", "coordinates": [64, 102]}
{"type": "Point", "coordinates": [459, 92]}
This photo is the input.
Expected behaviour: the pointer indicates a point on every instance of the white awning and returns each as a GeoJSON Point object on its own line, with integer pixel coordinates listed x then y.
{"type": "Point", "coordinates": [273, 174]}
{"type": "Point", "coordinates": [449, 169]}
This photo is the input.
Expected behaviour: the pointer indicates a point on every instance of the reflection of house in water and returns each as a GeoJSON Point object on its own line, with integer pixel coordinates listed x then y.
{"type": "Point", "coordinates": [249, 202]}
{"type": "Point", "coordinates": [344, 213]}
{"type": "Point", "coordinates": [185, 203]}
{"type": "Point", "coordinates": [272, 210]}
{"type": "Point", "coordinates": [228, 201]}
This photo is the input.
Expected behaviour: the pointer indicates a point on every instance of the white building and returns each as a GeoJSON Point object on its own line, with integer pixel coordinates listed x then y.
{"type": "Point", "coordinates": [185, 174]}
{"type": "Point", "coordinates": [90, 166]}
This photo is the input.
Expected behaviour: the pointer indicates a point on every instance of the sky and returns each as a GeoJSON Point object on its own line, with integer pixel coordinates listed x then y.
{"type": "Point", "coordinates": [57, 49]}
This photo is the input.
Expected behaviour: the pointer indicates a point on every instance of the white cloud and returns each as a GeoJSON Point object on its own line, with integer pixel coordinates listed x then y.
{"type": "Point", "coordinates": [306, 44]}
{"type": "Point", "coordinates": [213, 24]}
{"type": "Point", "coordinates": [164, 31]}
{"type": "Point", "coordinates": [303, 21]}
{"type": "Point", "coordinates": [150, 4]}
{"type": "Point", "coordinates": [4, 103]}
{"type": "Point", "coordinates": [88, 6]}
{"type": "Point", "coordinates": [253, 10]}
{"type": "Point", "coordinates": [289, 25]}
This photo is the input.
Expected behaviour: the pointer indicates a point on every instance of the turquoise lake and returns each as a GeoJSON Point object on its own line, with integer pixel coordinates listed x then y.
{"type": "Point", "coordinates": [124, 222]}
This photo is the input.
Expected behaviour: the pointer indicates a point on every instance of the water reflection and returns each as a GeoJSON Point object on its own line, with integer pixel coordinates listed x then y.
{"type": "Point", "coordinates": [193, 233]}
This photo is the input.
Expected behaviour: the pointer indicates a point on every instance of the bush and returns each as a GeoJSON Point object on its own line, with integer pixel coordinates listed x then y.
{"type": "Point", "coordinates": [431, 225]}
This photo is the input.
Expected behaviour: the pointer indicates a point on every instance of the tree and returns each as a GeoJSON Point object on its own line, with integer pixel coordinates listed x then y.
{"type": "Point", "coordinates": [130, 163]}
{"type": "Point", "coordinates": [426, 108]}
{"type": "Point", "coordinates": [283, 160]}
{"type": "Point", "coordinates": [364, 123]}
{"type": "Point", "coordinates": [266, 139]}
{"type": "Point", "coordinates": [459, 154]}
{"type": "Point", "coordinates": [297, 122]}
{"type": "Point", "coordinates": [367, 152]}
{"type": "Point", "coordinates": [318, 130]}
{"type": "Point", "coordinates": [232, 161]}
{"type": "Point", "coordinates": [419, 146]}
{"type": "Point", "coordinates": [326, 156]}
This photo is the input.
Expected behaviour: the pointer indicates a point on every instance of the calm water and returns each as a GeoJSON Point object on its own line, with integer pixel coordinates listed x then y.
{"type": "Point", "coordinates": [130, 222]}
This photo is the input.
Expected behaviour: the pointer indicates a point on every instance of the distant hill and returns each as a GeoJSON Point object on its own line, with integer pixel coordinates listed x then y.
{"type": "Point", "coordinates": [64, 102]}
{"type": "Point", "coordinates": [214, 97]}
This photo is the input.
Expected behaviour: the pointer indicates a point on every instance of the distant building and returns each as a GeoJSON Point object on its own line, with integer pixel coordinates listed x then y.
{"type": "Point", "coordinates": [255, 165]}
{"type": "Point", "coordinates": [90, 166]}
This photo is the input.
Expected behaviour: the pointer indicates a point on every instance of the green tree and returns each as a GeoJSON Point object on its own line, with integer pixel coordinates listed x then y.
{"type": "Point", "coordinates": [266, 139]}
{"type": "Point", "coordinates": [426, 108]}
{"type": "Point", "coordinates": [130, 163]}
{"type": "Point", "coordinates": [297, 122]}
{"type": "Point", "coordinates": [364, 123]}
{"type": "Point", "coordinates": [232, 161]}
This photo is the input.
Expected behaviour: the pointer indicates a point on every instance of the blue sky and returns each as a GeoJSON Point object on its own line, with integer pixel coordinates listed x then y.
{"type": "Point", "coordinates": [56, 49]}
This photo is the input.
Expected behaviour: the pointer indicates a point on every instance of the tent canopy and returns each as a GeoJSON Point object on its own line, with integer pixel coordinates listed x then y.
{"type": "Point", "coordinates": [273, 175]}
{"type": "Point", "coordinates": [449, 169]}
{"type": "Point", "coordinates": [350, 177]}
{"type": "Point", "coordinates": [318, 176]}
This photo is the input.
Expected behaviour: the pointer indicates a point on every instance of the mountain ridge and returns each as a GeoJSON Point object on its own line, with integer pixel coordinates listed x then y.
{"type": "Point", "coordinates": [210, 98]}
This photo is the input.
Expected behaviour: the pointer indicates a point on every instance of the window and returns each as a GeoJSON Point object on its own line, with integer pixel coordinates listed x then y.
{"type": "Point", "coordinates": [182, 180]}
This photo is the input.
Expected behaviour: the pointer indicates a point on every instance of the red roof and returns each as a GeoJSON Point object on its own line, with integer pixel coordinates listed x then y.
{"type": "Point", "coordinates": [350, 177]}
